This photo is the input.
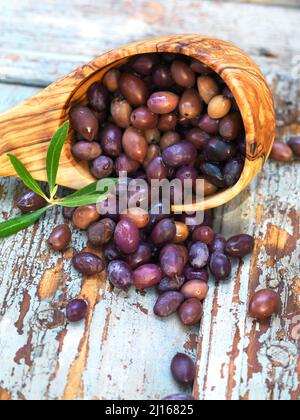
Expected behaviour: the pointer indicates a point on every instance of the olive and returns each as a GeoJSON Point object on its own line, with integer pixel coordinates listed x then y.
{"type": "Point", "coordinates": [172, 260]}
{"type": "Point", "coordinates": [198, 137]}
{"type": "Point", "coordinates": [281, 152]}
{"type": "Point", "coordinates": [134, 89]}
{"type": "Point", "coordinates": [180, 154]}
{"type": "Point", "coordinates": [98, 97]}
{"type": "Point", "coordinates": [179, 397]}
{"type": "Point", "coordinates": [183, 369]}
{"type": "Point", "coordinates": [163, 102]}
{"type": "Point", "coordinates": [187, 173]}
{"type": "Point", "coordinates": [60, 238]}
{"type": "Point", "coordinates": [220, 266]}
{"type": "Point", "coordinates": [164, 231]}
{"type": "Point", "coordinates": [192, 273]}
{"type": "Point", "coordinates": [157, 170]}
{"type": "Point", "coordinates": [111, 80]}
{"type": "Point", "coordinates": [218, 244]}
{"type": "Point", "coordinates": [152, 153]}
{"type": "Point", "coordinates": [84, 216]}
{"type": "Point", "coordinates": [127, 236]}
{"type": "Point", "coordinates": [138, 216]}
{"type": "Point", "coordinates": [29, 201]}
{"type": "Point", "coordinates": [232, 171]}
{"type": "Point", "coordinates": [190, 105]}
{"type": "Point", "coordinates": [183, 74]}
{"type": "Point", "coordinates": [264, 304]}
{"type": "Point", "coordinates": [295, 145]}
{"type": "Point", "coordinates": [120, 274]}
{"type": "Point", "coordinates": [143, 255]}
{"type": "Point", "coordinates": [147, 275]}
{"type": "Point", "coordinates": [134, 144]}
{"type": "Point", "coordinates": [204, 234]}
{"type": "Point", "coordinates": [168, 303]}
{"type": "Point", "coordinates": [100, 233]}
{"type": "Point", "coordinates": [144, 63]}
{"type": "Point", "coordinates": [208, 88]}
{"type": "Point", "coordinates": [76, 310]}
{"type": "Point", "coordinates": [125, 164]}
{"type": "Point", "coordinates": [209, 125]}
{"type": "Point", "coordinates": [121, 111]}
{"type": "Point", "coordinates": [168, 284]}
{"type": "Point", "coordinates": [213, 173]}
{"type": "Point", "coordinates": [219, 107]}
{"type": "Point", "coordinates": [111, 252]}
{"type": "Point", "coordinates": [84, 122]}
{"type": "Point", "coordinates": [218, 150]}
{"type": "Point", "coordinates": [143, 119]}
{"type": "Point", "coordinates": [152, 136]}
{"type": "Point", "coordinates": [199, 255]}
{"type": "Point", "coordinates": [86, 150]}
{"type": "Point", "coordinates": [199, 67]}
{"type": "Point", "coordinates": [239, 246]}
{"type": "Point", "coordinates": [182, 233]}
{"type": "Point", "coordinates": [231, 126]}
{"type": "Point", "coordinates": [191, 312]}
{"type": "Point", "coordinates": [110, 137]}
{"type": "Point", "coordinates": [162, 77]}
{"type": "Point", "coordinates": [195, 289]}
{"type": "Point", "coordinates": [68, 212]}
{"type": "Point", "coordinates": [169, 139]}
{"type": "Point", "coordinates": [88, 264]}
{"type": "Point", "coordinates": [167, 122]}
{"type": "Point", "coordinates": [209, 188]}
{"type": "Point", "coordinates": [102, 167]}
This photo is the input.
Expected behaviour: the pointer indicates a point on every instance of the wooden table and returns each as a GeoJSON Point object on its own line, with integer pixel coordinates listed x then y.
{"type": "Point", "coordinates": [123, 351]}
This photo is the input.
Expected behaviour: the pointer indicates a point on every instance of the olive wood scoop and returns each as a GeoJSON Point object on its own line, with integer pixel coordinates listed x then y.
{"type": "Point", "coordinates": [26, 130]}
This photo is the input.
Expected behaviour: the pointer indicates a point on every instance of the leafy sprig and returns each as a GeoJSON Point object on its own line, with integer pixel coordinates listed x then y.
{"type": "Point", "coordinates": [91, 194]}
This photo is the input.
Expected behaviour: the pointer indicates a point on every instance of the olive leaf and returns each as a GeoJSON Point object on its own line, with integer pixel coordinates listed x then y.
{"type": "Point", "coordinates": [84, 200]}
{"type": "Point", "coordinates": [53, 155]}
{"type": "Point", "coordinates": [25, 176]}
{"type": "Point", "coordinates": [101, 186]}
{"type": "Point", "coordinates": [9, 227]}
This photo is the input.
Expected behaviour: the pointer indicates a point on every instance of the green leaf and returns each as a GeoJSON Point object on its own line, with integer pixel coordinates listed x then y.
{"type": "Point", "coordinates": [15, 225]}
{"type": "Point", "coordinates": [54, 153]}
{"type": "Point", "coordinates": [25, 176]}
{"type": "Point", "coordinates": [84, 200]}
{"type": "Point", "coordinates": [98, 186]}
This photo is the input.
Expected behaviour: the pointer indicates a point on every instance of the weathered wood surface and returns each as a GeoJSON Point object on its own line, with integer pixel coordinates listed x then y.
{"type": "Point", "coordinates": [41, 42]}
{"type": "Point", "coordinates": [123, 351]}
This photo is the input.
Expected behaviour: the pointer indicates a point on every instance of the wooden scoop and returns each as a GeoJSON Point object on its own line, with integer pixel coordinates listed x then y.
{"type": "Point", "coordinates": [26, 130]}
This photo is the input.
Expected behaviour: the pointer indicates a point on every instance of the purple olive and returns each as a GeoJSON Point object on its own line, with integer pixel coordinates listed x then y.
{"type": "Point", "coordinates": [86, 150]}
{"type": "Point", "coordinates": [110, 137]}
{"type": "Point", "coordinates": [125, 164]}
{"type": "Point", "coordinates": [232, 171]}
{"type": "Point", "coordinates": [60, 238]}
{"type": "Point", "coordinates": [144, 63]}
{"type": "Point", "coordinates": [218, 244]}
{"type": "Point", "coordinates": [87, 263]}
{"type": "Point", "coordinates": [100, 233]}
{"type": "Point", "coordinates": [102, 167]}
{"type": "Point", "coordinates": [213, 173]}
{"type": "Point", "coordinates": [157, 170]}
{"type": "Point", "coordinates": [111, 252]}
{"type": "Point", "coordinates": [168, 303]}
{"type": "Point", "coordinates": [183, 74]}
{"type": "Point", "coordinates": [84, 122]}
{"type": "Point", "coordinates": [183, 369]}
{"type": "Point", "coordinates": [220, 266]}
{"type": "Point", "coordinates": [120, 274]}
{"type": "Point", "coordinates": [192, 273]}
{"type": "Point", "coordinates": [163, 232]}
{"type": "Point", "coordinates": [143, 255]}
{"type": "Point", "coordinates": [198, 137]}
{"type": "Point", "coordinates": [98, 97]}
{"type": "Point", "coordinates": [199, 255]}
{"type": "Point", "coordinates": [169, 284]}
{"type": "Point", "coordinates": [209, 125]}
{"type": "Point", "coordinates": [144, 119]}
{"type": "Point", "coordinates": [127, 236]}
{"type": "Point", "coordinates": [187, 173]}
{"type": "Point", "coordinates": [29, 201]}
{"type": "Point", "coordinates": [163, 102]}
{"type": "Point", "coordinates": [180, 154]}
{"type": "Point", "coordinates": [191, 312]}
{"type": "Point", "coordinates": [239, 246]}
{"type": "Point", "coordinates": [76, 310]}
{"type": "Point", "coordinates": [218, 150]}
{"type": "Point", "coordinates": [146, 276]}
{"type": "Point", "coordinates": [172, 260]}
{"type": "Point", "coordinates": [162, 77]}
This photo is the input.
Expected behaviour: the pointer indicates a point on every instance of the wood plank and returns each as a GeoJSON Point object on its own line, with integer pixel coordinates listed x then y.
{"type": "Point", "coordinates": [67, 40]}
{"type": "Point", "coordinates": [123, 351]}
{"type": "Point", "coordinates": [238, 358]}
